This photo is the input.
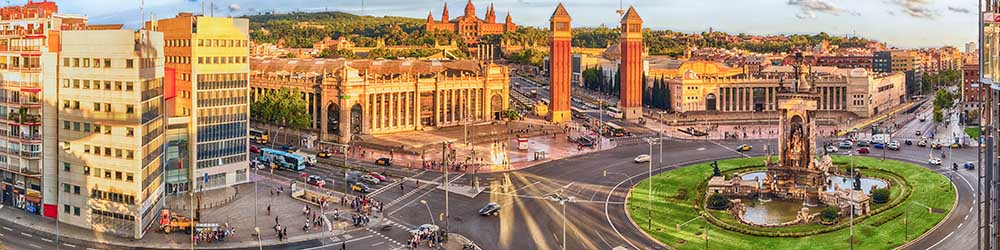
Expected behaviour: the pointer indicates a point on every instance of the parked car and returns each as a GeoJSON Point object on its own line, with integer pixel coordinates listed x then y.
{"type": "Point", "coordinates": [324, 154]}
{"type": "Point", "coordinates": [491, 208]}
{"type": "Point", "coordinates": [370, 179]}
{"type": "Point", "coordinates": [360, 187]}
{"type": "Point", "coordinates": [832, 149]}
{"type": "Point", "coordinates": [642, 158]}
{"type": "Point", "coordinates": [893, 145]}
{"type": "Point", "coordinates": [878, 145]}
{"type": "Point", "coordinates": [585, 142]}
{"type": "Point", "coordinates": [934, 161]}
{"type": "Point", "coordinates": [744, 148]}
{"type": "Point", "coordinates": [315, 181]}
{"type": "Point", "coordinates": [863, 144]}
{"type": "Point", "coordinates": [937, 146]}
{"type": "Point", "coordinates": [919, 133]}
{"type": "Point", "coordinates": [378, 176]}
{"type": "Point", "coordinates": [254, 149]}
{"type": "Point", "coordinates": [956, 145]}
{"type": "Point", "coordinates": [384, 162]}
{"type": "Point", "coordinates": [846, 144]}
{"type": "Point", "coordinates": [908, 142]}
{"type": "Point", "coordinates": [922, 143]}
{"type": "Point", "coordinates": [863, 150]}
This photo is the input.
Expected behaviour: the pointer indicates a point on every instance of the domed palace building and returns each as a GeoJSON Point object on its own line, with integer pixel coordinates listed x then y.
{"type": "Point", "coordinates": [469, 25]}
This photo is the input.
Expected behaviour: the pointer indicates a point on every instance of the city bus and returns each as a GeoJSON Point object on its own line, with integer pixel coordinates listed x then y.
{"type": "Point", "coordinates": [280, 159]}
{"type": "Point", "coordinates": [614, 130]}
{"type": "Point", "coordinates": [258, 136]}
{"type": "Point", "coordinates": [614, 113]}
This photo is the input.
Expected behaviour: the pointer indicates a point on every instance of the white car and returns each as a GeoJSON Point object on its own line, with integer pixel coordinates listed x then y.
{"type": "Point", "coordinates": [370, 179]}
{"type": "Point", "coordinates": [642, 158]}
{"type": "Point", "coordinates": [934, 161]}
{"type": "Point", "coordinates": [832, 149]}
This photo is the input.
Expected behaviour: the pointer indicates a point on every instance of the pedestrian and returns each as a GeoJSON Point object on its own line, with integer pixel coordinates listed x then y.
{"type": "Point", "coordinates": [343, 245]}
{"type": "Point", "coordinates": [401, 188]}
{"type": "Point", "coordinates": [284, 231]}
{"type": "Point", "coordinates": [268, 209]}
{"type": "Point", "coordinates": [275, 219]}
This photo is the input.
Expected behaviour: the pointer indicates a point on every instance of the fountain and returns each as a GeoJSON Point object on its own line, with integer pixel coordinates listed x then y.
{"type": "Point", "coordinates": [796, 182]}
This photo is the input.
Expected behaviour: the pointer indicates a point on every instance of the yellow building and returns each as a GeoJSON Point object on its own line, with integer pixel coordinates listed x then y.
{"type": "Point", "coordinates": [372, 97]}
{"type": "Point", "coordinates": [210, 56]}
{"type": "Point", "coordinates": [906, 60]}
{"type": "Point", "coordinates": [110, 119]}
{"type": "Point", "coordinates": [714, 87]}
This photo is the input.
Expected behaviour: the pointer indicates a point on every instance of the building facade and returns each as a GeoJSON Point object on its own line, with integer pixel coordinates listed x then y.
{"type": "Point", "coordinates": [970, 87]}
{"type": "Point", "coordinates": [111, 126]}
{"type": "Point", "coordinates": [707, 88]}
{"type": "Point", "coordinates": [469, 25]}
{"type": "Point", "coordinates": [846, 61]}
{"type": "Point", "coordinates": [560, 65]}
{"type": "Point", "coordinates": [210, 60]}
{"type": "Point", "coordinates": [347, 98]}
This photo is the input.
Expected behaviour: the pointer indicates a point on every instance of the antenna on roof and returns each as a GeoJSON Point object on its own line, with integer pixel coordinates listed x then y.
{"type": "Point", "coordinates": [621, 8]}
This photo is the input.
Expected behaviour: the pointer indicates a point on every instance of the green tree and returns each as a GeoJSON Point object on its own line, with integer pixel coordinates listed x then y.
{"type": "Point", "coordinates": [718, 202]}
{"type": "Point", "coordinates": [283, 107]}
{"type": "Point", "coordinates": [943, 99]}
{"type": "Point", "coordinates": [337, 53]}
{"type": "Point", "coordinates": [512, 114]}
{"type": "Point", "coordinates": [529, 57]}
{"type": "Point", "coordinates": [880, 195]}
{"type": "Point", "coordinates": [829, 214]}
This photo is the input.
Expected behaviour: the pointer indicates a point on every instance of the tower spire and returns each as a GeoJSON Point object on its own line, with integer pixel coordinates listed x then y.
{"type": "Point", "coordinates": [444, 15]}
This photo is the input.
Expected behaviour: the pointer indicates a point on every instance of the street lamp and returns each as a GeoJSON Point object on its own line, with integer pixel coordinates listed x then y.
{"type": "Point", "coordinates": [429, 214]}
{"type": "Point", "coordinates": [649, 200]}
{"type": "Point", "coordinates": [562, 202]}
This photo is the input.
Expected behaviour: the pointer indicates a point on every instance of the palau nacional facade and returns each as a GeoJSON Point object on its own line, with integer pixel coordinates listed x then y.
{"type": "Point", "coordinates": [372, 97]}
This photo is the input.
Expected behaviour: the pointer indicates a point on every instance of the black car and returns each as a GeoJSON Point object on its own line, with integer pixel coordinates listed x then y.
{"type": "Point", "coordinates": [863, 143]}
{"type": "Point", "coordinates": [490, 209]}
{"type": "Point", "coordinates": [585, 142]}
{"type": "Point", "coordinates": [908, 142]}
{"type": "Point", "coordinates": [384, 162]}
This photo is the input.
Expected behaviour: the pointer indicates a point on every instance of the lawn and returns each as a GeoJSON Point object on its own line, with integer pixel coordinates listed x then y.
{"type": "Point", "coordinates": [674, 193]}
{"type": "Point", "coordinates": [973, 132]}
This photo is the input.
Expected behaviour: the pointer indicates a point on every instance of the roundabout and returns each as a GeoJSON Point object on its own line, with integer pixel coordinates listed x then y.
{"type": "Point", "coordinates": [918, 200]}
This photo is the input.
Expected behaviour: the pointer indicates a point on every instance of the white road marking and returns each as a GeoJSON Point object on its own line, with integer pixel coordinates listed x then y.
{"type": "Point", "coordinates": [332, 244]}
{"type": "Point", "coordinates": [960, 225]}
{"type": "Point", "coordinates": [7, 228]}
{"type": "Point", "coordinates": [526, 186]}
{"type": "Point", "coordinates": [942, 240]}
{"type": "Point", "coordinates": [35, 246]}
{"type": "Point", "coordinates": [46, 240]}
{"type": "Point", "coordinates": [568, 185]}
{"type": "Point", "coordinates": [26, 234]}
{"type": "Point", "coordinates": [602, 239]}
{"type": "Point", "coordinates": [966, 217]}
{"type": "Point", "coordinates": [701, 149]}
{"type": "Point", "coordinates": [379, 243]}
{"type": "Point", "coordinates": [69, 245]}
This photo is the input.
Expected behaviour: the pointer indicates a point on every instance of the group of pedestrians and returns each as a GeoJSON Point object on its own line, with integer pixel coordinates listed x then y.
{"type": "Point", "coordinates": [315, 220]}
{"type": "Point", "coordinates": [431, 239]}
{"type": "Point", "coordinates": [210, 235]}
{"type": "Point", "coordinates": [282, 232]}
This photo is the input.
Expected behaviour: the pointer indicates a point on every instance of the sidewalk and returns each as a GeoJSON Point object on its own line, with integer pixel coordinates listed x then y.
{"type": "Point", "coordinates": [285, 209]}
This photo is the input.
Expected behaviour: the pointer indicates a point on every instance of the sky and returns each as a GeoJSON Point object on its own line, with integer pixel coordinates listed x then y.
{"type": "Point", "coordinates": [900, 23]}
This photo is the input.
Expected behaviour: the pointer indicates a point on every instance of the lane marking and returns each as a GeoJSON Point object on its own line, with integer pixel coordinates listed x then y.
{"type": "Point", "coordinates": [379, 243]}
{"type": "Point", "coordinates": [942, 240]}
{"type": "Point", "coordinates": [47, 240]}
{"type": "Point", "coordinates": [960, 225]}
{"type": "Point", "coordinates": [602, 239]}
{"type": "Point", "coordinates": [332, 244]}
{"type": "Point", "coordinates": [69, 245]}
{"type": "Point", "coordinates": [35, 246]}
{"type": "Point", "coordinates": [8, 229]}
{"type": "Point", "coordinates": [26, 234]}
{"type": "Point", "coordinates": [526, 186]}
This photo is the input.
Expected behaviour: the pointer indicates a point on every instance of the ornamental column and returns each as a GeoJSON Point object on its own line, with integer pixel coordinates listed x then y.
{"type": "Point", "coordinates": [560, 61]}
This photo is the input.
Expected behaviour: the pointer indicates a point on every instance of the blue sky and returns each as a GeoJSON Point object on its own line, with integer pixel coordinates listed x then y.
{"type": "Point", "coordinates": [901, 23]}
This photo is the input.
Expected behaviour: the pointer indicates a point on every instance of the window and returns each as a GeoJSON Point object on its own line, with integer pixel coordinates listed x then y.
{"type": "Point", "coordinates": [76, 211]}
{"type": "Point", "coordinates": [129, 177]}
{"type": "Point", "coordinates": [76, 104]}
{"type": "Point", "coordinates": [97, 106]}
{"type": "Point", "coordinates": [86, 62]}
{"type": "Point", "coordinates": [86, 127]}
{"type": "Point", "coordinates": [86, 169]}
{"type": "Point", "coordinates": [130, 131]}
{"type": "Point", "coordinates": [65, 166]}
{"type": "Point", "coordinates": [97, 128]}
{"type": "Point", "coordinates": [65, 208]}
{"type": "Point", "coordinates": [76, 126]}
{"type": "Point", "coordinates": [76, 83]}
{"type": "Point", "coordinates": [66, 62]}
{"type": "Point", "coordinates": [76, 189]}
{"type": "Point", "coordinates": [107, 152]}
{"type": "Point", "coordinates": [129, 63]}
{"type": "Point", "coordinates": [129, 109]}
{"type": "Point", "coordinates": [107, 174]}
{"type": "Point", "coordinates": [107, 63]}
{"type": "Point", "coordinates": [97, 62]}
{"type": "Point", "coordinates": [65, 188]}
{"type": "Point", "coordinates": [66, 123]}
{"type": "Point", "coordinates": [118, 154]}
{"type": "Point", "coordinates": [129, 86]}
{"type": "Point", "coordinates": [118, 86]}
{"type": "Point", "coordinates": [86, 148]}
{"type": "Point", "coordinates": [76, 62]}
{"type": "Point", "coordinates": [107, 85]}
{"type": "Point", "coordinates": [107, 107]}
{"type": "Point", "coordinates": [118, 175]}
{"type": "Point", "coordinates": [107, 131]}
{"type": "Point", "coordinates": [129, 154]}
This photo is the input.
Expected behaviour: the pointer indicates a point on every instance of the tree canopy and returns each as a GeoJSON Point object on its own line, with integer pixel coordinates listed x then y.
{"type": "Point", "coordinates": [283, 107]}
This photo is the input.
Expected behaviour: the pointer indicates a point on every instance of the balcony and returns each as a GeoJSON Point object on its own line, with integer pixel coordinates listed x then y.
{"type": "Point", "coordinates": [28, 119]}
{"type": "Point", "coordinates": [21, 138]}
{"type": "Point", "coordinates": [28, 171]}
{"type": "Point", "coordinates": [16, 84]}
{"type": "Point", "coordinates": [21, 102]}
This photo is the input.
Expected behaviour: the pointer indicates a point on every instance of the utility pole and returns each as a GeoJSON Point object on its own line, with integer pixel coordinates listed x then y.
{"type": "Point", "coordinates": [852, 226]}
{"type": "Point", "coordinates": [444, 160]}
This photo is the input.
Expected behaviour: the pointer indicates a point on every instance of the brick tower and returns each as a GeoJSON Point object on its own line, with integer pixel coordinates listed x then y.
{"type": "Point", "coordinates": [631, 66]}
{"type": "Point", "coordinates": [559, 65]}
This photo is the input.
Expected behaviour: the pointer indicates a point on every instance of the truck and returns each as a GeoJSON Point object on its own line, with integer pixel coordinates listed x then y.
{"type": "Point", "coordinates": [880, 138]}
{"type": "Point", "coordinates": [170, 222]}
{"type": "Point", "coordinates": [310, 159]}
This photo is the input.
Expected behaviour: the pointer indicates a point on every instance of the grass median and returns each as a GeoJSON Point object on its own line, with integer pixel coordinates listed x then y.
{"type": "Point", "coordinates": [675, 192]}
